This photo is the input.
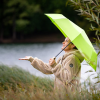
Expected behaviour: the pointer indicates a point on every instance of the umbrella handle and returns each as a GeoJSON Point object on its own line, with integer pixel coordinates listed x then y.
{"type": "Point", "coordinates": [61, 51]}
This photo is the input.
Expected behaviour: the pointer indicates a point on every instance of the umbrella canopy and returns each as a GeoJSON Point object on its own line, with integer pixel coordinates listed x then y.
{"type": "Point", "coordinates": [78, 37]}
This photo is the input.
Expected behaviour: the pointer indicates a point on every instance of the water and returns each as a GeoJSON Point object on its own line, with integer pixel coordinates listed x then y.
{"type": "Point", "coordinates": [10, 53]}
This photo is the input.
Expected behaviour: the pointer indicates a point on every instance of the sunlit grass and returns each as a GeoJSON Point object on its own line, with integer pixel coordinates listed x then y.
{"type": "Point", "coordinates": [18, 84]}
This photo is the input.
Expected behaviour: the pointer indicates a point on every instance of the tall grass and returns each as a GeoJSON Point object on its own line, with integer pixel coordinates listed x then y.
{"type": "Point", "coordinates": [18, 84]}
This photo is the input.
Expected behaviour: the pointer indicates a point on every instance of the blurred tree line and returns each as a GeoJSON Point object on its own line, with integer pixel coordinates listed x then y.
{"type": "Point", "coordinates": [21, 19]}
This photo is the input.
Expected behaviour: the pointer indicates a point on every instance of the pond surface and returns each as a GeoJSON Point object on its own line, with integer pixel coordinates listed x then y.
{"type": "Point", "coordinates": [10, 53]}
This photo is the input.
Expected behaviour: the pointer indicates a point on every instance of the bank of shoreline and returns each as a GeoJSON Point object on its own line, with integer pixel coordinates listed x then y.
{"type": "Point", "coordinates": [38, 39]}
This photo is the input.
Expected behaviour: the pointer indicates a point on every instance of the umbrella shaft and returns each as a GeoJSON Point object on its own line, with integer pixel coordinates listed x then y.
{"type": "Point", "coordinates": [61, 50]}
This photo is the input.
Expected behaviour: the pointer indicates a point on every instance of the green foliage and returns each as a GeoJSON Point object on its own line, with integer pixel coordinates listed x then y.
{"type": "Point", "coordinates": [16, 14]}
{"type": "Point", "coordinates": [21, 24]}
{"type": "Point", "coordinates": [26, 17]}
{"type": "Point", "coordinates": [90, 9]}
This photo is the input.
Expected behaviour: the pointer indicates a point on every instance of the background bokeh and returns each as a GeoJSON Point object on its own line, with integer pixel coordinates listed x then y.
{"type": "Point", "coordinates": [24, 20]}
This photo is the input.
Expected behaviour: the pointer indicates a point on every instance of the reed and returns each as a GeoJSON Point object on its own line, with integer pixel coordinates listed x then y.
{"type": "Point", "coordinates": [18, 84]}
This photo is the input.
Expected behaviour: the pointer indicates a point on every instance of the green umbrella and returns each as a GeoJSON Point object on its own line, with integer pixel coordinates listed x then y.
{"type": "Point", "coordinates": [78, 37]}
